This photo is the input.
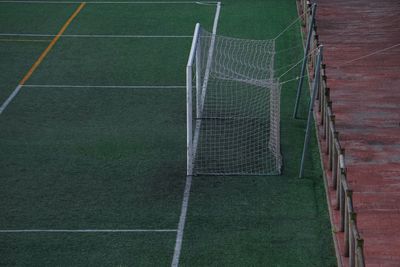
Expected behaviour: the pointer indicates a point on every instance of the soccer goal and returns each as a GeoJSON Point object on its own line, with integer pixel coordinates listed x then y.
{"type": "Point", "coordinates": [233, 107]}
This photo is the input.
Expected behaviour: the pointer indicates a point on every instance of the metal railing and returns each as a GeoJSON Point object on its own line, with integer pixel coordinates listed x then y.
{"type": "Point", "coordinates": [336, 165]}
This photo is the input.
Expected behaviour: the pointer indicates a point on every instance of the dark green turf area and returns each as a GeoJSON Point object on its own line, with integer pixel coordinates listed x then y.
{"type": "Point", "coordinates": [87, 249]}
{"type": "Point", "coordinates": [112, 158]}
{"type": "Point", "coordinates": [93, 158]}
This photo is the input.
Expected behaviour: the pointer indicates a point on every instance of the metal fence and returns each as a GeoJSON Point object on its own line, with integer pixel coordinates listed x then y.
{"type": "Point", "coordinates": [335, 152]}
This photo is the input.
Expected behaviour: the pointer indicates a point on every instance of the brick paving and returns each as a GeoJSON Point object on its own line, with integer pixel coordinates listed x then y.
{"type": "Point", "coordinates": [366, 101]}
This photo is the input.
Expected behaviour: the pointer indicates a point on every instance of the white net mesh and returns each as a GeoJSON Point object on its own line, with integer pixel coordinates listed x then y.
{"type": "Point", "coordinates": [235, 108]}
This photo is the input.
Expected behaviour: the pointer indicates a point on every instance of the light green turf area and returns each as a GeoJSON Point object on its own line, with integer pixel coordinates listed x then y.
{"type": "Point", "coordinates": [107, 61]}
{"type": "Point", "coordinates": [34, 18]}
{"type": "Point", "coordinates": [143, 19]}
{"type": "Point", "coordinates": [112, 158]}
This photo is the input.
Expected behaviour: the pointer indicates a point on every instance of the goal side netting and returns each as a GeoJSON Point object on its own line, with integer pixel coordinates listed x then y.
{"type": "Point", "coordinates": [233, 107]}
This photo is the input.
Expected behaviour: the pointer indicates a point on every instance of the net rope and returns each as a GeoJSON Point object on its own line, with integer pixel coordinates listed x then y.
{"type": "Point", "coordinates": [237, 108]}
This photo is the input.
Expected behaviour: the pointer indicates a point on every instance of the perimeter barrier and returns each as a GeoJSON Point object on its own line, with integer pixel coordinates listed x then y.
{"type": "Point", "coordinates": [336, 171]}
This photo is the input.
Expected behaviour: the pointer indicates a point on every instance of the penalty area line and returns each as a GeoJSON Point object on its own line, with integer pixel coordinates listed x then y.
{"type": "Point", "coordinates": [25, 40]}
{"type": "Point", "coordinates": [92, 35]}
{"type": "Point", "coordinates": [87, 230]}
{"type": "Point", "coordinates": [111, 2]}
{"type": "Point", "coordinates": [105, 86]}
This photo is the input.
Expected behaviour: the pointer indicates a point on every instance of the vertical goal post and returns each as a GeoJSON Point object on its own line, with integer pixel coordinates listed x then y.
{"type": "Point", "coordinates": [189, 98]}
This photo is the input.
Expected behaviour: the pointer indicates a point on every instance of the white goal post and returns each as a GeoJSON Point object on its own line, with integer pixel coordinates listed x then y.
{"type": "Point", "coordinates": [233, 106]}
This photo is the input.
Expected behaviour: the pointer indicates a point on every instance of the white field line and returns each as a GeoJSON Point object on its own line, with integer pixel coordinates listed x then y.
{"type": "Point", "coordinates": [87, 230]}
{"type": "Point", "coordinates": [110, 2]}
{"type": "Point", "coordinates": [92, 35]}
{"type": "Point", "coordinates": [10, 98]}
{"type": "Point", "coordinates": [25, 40]}
{"type": "Point", "coordinates": [105, 86]}
{"type": "Point", "coordinates": [186, 193]}
{"type": "Point", "coordinates": [182, 220]}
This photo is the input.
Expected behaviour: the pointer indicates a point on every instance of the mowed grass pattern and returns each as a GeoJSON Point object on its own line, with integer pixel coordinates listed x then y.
{"type": "Point", "coordinates": [112, 158]}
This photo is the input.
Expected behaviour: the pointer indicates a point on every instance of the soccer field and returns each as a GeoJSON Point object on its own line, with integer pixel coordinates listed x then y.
{"type": "Point", "coordinates": [93, 143]}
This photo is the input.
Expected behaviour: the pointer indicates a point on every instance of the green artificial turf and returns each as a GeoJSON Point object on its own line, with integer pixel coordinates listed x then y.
{"type": "Point", "coordinates": [113, 158]}
{"type": "Point", "coordinates": [93, 158]}
{"type": "Point", "coordinates": [115, 62]}
{"type": "Point", "coordinates": [18, 56]}
{"type": "Point", "coordinates": [87, 249]}
{"type": "Point", "coordinates": [34, 18]}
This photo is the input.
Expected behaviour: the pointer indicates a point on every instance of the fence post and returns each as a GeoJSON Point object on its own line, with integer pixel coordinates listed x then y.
{"type": "Point", "coordinates": [310, 111]}
{"type": "Point", "coordinates": [352, 240]}
{"type": "Point", "coordinates": [304, 65]}
{"type": "Point", "coordinates": [335, 155]}
{"type": "Point", "coordinates": [348, 216]}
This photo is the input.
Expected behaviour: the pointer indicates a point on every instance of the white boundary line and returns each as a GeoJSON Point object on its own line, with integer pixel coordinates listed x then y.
{"type": "Point", "coordinates": [92, 35]}
{"type": "Point", "coordinates": [186, 193]}
{"type": "Point", "coordinates": [110, 2]}
{"type": "Point", "coordinates": [87, 230]}
{"type": "Point", "coordinates": [105, 86]}
{"type": "Point", "coordinates": [10, 98]}
{"type": "Point", "coordinates": [182, 220]}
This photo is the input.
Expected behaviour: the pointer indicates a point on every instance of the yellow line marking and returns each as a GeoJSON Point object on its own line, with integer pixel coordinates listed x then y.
{"type": "Point", "coordinates": [52, 43]}
{"type": "Point", "coordinates": [24, 40]}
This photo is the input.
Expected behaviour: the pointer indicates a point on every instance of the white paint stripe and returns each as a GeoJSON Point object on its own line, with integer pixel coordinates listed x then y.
{"type": "Point", "coordinates": [10, 98]}
{"type": "Point", "coordinates": [92, 35]}
{"type": "Point", "coordinates": [182, 220]}
{"type": "Point", "coordinates": [105, 86]}
{"type": "Point", "coordinates": [86, 230]}
{"type": "Point", "coordinates": [25, 40]}
{"type": "Point", "coordinates": [186, 194]}
{"type": "Point", "coordinates": [110, 2]}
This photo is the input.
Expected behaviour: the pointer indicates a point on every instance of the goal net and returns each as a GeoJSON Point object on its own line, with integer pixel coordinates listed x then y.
{"type": "Point", "coordinates": [233, 107]}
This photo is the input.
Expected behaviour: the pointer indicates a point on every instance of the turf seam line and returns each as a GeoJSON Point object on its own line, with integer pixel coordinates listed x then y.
{"type": "Point", "coordinates": [93, 35]}
{"type": "Point", "coordinates": [110, 2]}
{"type": "Point", "coordinates": [186, 193]}
{"type": "Point", "coordinates": [105, 86]}
{"type": "Point", "coordinates": [40, 59]}
{"type": "Point", "coordinates": [86, 230]}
